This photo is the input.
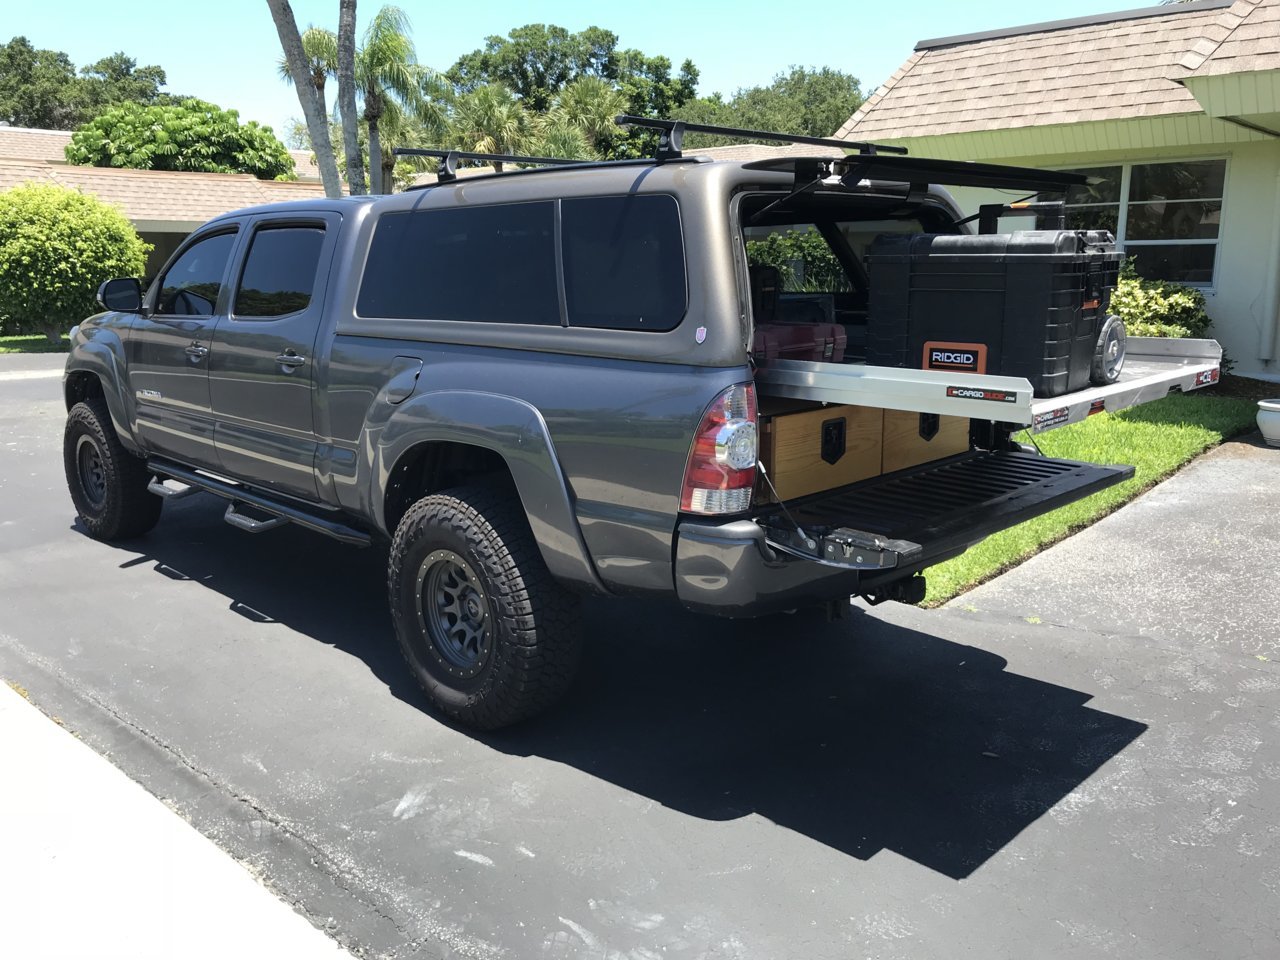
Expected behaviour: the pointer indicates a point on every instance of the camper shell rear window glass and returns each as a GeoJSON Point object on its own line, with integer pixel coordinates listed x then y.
{"type": "Point", "coordinates": [494, 264]}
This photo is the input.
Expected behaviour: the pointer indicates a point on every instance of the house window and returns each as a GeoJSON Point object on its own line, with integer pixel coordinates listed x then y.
{"type": "Point", "coordinates": [1167, 216]}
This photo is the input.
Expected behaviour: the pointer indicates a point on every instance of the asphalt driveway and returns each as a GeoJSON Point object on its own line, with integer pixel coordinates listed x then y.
{"type": "Point", "coordinates": [1081, 759]}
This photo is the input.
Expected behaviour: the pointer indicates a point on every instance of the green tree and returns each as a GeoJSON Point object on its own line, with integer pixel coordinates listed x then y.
{"type": "Point", "coordinates": [489, 119]}
{"type": "Point", "coordinates": [538, 61]}
{"type": "Point", "coordinates": [811, 101]}
{"type": "Point", "coordinates": [535, 61]}
{"type": "Point", "coordinates": [192, 135]}
{"type": "Point", "coordinates": [38, 88]}
{"type": "Point", "coordinates": [41, 88]}
{"type": "Point", "coordinates": [56, 247]}
{"type": "Point", "coordinates": [588, 105]}
{"type": "Point", "coordinates": [119, 79]}
{"type": "Point", "coordinates": [388, 79]}
{"type": "Point", "coordinates": [313, 106]}
{"type": "Point", "coordinates": [320, 57]}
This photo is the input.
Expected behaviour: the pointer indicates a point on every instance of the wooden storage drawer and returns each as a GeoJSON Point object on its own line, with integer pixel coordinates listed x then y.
{"type": "Point", "coordinates": [791, 447]}
{"type": "Point", "coordinates": [904, 447]}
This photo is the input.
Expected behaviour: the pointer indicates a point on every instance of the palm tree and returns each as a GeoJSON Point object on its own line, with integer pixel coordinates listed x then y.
{"type": "Point", "coordinates": [590, 104]}
{"type": "Point", "coordinates": [313, 108]}
{"type": "Point", "coordinates": [345, 54]}
{"type": "Point", "coordinates": [489, 119]}
{"type": "Point", "coordinates": [387, 76]}
{"type": "Point", "coordinates": [320, 47]}
{"type": "Point", "coordinates": [558, 136]}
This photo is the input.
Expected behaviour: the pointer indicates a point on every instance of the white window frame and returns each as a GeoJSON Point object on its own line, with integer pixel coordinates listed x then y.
{"type": "Point", "coordinates": [1122, 217]}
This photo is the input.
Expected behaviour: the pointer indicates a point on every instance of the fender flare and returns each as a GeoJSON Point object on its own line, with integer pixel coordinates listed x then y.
{"type": "Point", "coordinates": [516, 431]}
{"type": "Point", "coordinates": [102, 355]}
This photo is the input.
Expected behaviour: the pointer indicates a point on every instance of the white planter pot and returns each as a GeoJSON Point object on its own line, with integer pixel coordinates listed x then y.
{"type": "Point", "coordinates": [1269, 421]}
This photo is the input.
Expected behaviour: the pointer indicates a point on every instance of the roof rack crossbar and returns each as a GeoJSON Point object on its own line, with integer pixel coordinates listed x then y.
{"type": "Point", "coordinates": [674, 131]}
{"type": "Point", "coordinates": [449, 159]}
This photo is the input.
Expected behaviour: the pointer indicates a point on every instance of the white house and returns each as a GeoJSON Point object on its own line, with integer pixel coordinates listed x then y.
{"type": "Point", "coordinates": [1174, 109]}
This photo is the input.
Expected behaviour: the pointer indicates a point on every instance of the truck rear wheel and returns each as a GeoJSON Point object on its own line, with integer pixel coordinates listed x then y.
{"type": "Point", "coordinates": [108, 484]}
{"type": "Point", "coordinates": [486, 630]}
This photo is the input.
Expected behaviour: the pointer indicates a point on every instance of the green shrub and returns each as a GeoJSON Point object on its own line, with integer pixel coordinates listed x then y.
{"type": "Point", "coordinates": [804, 261]}
{"type": "Point", "coordinates": [1158, 308]}
{"type": "Point", "coordinates": [56, 247]}
{"type": "Point", "coordinates": [191, 135]}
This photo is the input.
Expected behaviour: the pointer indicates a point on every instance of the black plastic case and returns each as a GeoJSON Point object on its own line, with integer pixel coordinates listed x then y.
{"type": "Point", "coordinates": [1024, 304]}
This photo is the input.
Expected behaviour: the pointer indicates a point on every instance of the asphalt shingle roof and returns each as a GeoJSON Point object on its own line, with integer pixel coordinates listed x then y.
{"type": "Point", "coordinates": [158, 194]}
{"type": "Point", "coordinates": [1111, 70]}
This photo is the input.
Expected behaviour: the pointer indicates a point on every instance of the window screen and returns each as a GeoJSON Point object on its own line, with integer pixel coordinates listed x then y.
{"type": "Point", "coordinates": [280, 271]}
{"type": "Point", "coordinates": [190, 287]}
{"type": "Point", "coordinates": [492, 264]}
{"type": "Point", "coordinates": [624, 262]}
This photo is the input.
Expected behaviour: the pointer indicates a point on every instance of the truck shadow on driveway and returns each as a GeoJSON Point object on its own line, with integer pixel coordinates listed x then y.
{"type": "Point", "coordinates": [862, 734]}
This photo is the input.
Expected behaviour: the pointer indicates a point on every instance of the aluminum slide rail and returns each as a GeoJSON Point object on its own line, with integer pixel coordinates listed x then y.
{"type": "Point", "coordinates": [1154, 368]}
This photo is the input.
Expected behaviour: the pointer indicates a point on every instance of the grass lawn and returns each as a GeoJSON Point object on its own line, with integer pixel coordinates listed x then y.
{"type": "Point", "coordinates": [33, 344]}
{"type": "Point", "coordinates": [1156, 438]}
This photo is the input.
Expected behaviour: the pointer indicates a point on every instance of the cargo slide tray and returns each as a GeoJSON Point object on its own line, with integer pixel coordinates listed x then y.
{"type": "Point", "coordinates": [1155, 368]}
{"type": "Point", "coordinates": [918, 516]}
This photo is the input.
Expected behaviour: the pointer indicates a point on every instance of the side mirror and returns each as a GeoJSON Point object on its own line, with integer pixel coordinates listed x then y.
{"type": "Point", "coordinates": [123, 294]}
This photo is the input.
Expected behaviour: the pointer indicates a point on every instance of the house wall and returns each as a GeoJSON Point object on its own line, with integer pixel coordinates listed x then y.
{"type": "Point", "coordinates": [1245, 299]}
{"type": "Point", "coordinates": [164, 244]}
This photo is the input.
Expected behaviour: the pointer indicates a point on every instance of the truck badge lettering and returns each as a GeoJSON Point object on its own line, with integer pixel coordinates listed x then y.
{"type": "Point", "coordinates": [700, 335]}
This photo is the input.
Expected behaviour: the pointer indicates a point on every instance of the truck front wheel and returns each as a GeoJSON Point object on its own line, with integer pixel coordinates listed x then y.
{"type": "Point", "coordinates": [108, 484]}
{"type": "Point", "coordinates": [486, 630]}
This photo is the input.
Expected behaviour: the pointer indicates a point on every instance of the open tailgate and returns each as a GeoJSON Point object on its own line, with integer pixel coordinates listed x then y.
{"type": "Point", "coordinates": [916, 517]}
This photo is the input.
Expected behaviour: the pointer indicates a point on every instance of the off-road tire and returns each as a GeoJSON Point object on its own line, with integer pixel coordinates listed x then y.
{"type": "Point", "coordinates": [534, 637]}
{"type": "Point", "coordinates": [118, 506]}
{"type": "Point", "coordinates": [1109, 353]}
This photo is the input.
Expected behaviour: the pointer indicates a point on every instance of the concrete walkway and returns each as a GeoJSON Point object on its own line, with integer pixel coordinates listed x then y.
{"type": "Point", "coordinates": [94, 866]}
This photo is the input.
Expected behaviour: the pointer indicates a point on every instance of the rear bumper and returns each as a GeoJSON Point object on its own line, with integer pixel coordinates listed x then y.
{"type": "Point", "coordinates": [872, 533]}
{"type": "Point", "coordinates": [729, 570]}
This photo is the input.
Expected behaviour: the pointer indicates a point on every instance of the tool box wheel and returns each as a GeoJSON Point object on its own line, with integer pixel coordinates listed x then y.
{"type": "Point", "coordinates": [1108, 356]}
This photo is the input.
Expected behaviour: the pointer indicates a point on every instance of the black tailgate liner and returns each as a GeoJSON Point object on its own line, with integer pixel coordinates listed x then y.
{"type": "Point", "coordinates": [953, 503]}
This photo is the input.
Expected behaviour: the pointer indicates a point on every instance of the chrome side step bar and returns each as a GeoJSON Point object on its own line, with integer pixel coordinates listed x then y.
{"type": "Point", "coordinates": [279, 511]}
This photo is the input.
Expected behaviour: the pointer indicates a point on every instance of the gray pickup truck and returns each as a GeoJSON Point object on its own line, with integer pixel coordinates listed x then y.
{"type": "Point", "coordinates": [538, 385]}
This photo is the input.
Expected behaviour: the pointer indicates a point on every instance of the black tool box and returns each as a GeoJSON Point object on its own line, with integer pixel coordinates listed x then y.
{"type": "Point", "coordinates": [1026, 304]}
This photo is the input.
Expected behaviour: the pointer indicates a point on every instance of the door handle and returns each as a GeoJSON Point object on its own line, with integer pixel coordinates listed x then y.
{"type": "Point", "coordinates": [197, 352]}
{"type": "Point", "coordinates": [290, 359]}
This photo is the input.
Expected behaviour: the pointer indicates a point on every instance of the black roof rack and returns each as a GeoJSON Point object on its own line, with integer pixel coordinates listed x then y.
{"type": "Point", "coordinates": [449, 165]}
{"type": "Point", "coordinates": [673, 132]}
{"type": "Point", "coordinates": [921, 171]}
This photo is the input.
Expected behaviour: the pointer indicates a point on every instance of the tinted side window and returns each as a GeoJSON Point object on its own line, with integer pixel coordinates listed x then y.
{"type": "Point", "coordinates": [493, 264]}
{"type": "Point", "coordinates": [280, 271]}
{"type": "Point", "coordinates": [624, 262]}
{"type": "Point", "coordinates": [190, 287]}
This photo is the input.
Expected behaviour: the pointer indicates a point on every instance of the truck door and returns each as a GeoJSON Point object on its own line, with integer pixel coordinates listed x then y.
{"type": "Point", "coordinates": [263, 369]}
{"type": "Point", "coordinates": [169, 347]}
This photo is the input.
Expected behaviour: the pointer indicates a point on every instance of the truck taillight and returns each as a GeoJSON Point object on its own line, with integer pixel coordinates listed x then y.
{"type": "Point", "coordinates": [721, 472]}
